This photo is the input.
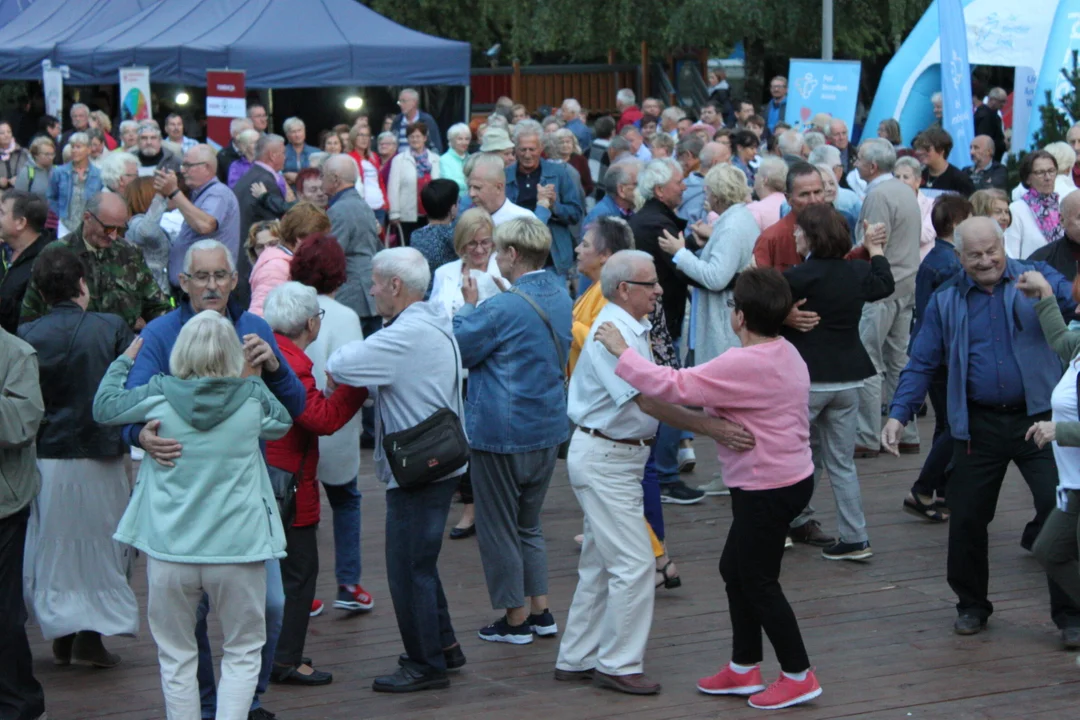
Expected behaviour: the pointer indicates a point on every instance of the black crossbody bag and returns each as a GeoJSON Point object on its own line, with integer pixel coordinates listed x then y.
{"type": "Point", "coordinates": [431, 449]}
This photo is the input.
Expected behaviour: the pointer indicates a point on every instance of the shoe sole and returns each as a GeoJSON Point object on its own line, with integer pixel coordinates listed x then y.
{"type": "Point", "coordinates": [715, 493]}
{"type": "Point", "coordinates": [509, 639]}
{"type": "Point", "coordinates": [687, 467]}
{"type": "Point", "coordinates": [427, 685]}
{"type": "Point", "coordinates": [352, 606]}
{"type": "Point", "coordinates": [603, 682]}
{"type": "Point", "coordinates": [969, 631]}
{"type": "Point", "coordinates": [746, 690]}
{"type": "Point", "coordinates": [545, 631]}
{"type": "Point", "coordinates": [573, 676]}
{"type": "Point", "coordinates": [814, 543]}
{"type": "Point", "coordinates": [794, 701]}
{"type": "Point", "coordinates": [929, 521]}
{"type": "Point", "coordinates": [680, 501]}
{"type": "Point", "coordinates": [863, 555]}
{"type": "Point", "coordinates": [317, 613]}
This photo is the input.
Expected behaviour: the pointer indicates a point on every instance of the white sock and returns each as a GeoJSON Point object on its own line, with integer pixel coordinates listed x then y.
{"type": "Point", "coordinates": [799, 676]}
{"type": "Point", "coordinates": [741, 669]}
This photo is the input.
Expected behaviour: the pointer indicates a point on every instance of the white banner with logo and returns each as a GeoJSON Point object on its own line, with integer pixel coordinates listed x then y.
{"type": "Point", "coordinates": [135, 93]}
{"type": "Point", "coordinates": [53, 81]}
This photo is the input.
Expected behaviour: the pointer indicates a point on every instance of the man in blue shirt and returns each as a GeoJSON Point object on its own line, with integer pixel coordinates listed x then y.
{"type": "Point", "coordinates": [571, 115]}
{"type": "Point", "coordinates": [776, 107]}
{"type": "Point", "coordinates": [1000, 374]}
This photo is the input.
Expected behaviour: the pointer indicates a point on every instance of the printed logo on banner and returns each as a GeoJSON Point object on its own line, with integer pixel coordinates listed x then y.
{"type": "Point", "coordinates": [135, 93]}
{"type": "Point", "coordinates": [823, 86]}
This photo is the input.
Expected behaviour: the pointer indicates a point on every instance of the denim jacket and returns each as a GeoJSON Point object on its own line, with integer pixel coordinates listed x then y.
{"type": "Point", "coordinates": [517, 399]}
{"type": "Point", "coordinates": [61, 183]}
{"type": "Point", "coordinates": [568, 209]}
{"type": "Point", "coordinates": [943, 340]}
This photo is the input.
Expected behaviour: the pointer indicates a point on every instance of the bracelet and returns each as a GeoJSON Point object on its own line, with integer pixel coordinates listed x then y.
{"type": "Point", "coordinates": [173, 194]}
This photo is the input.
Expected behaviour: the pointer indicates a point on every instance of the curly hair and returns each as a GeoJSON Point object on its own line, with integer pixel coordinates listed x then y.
{"type": "Point", "coordinates": [319, 263]}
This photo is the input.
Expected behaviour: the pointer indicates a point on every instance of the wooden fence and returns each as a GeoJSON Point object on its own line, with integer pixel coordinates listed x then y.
{"type": "Point", "coordinates": [594, 86]}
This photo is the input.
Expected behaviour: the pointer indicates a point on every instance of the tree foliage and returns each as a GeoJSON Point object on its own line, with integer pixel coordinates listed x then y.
{"type": "Point", "coordinates": [1055, 122]}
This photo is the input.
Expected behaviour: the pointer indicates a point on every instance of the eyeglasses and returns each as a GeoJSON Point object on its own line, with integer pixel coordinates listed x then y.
{"type": "Point", "coordinates": [321, 314]}
{"type": "Point", "coordinates": [478, 244]}
{"type": "Point", "coordinates": [203, 278]}
{"type": "Point", "coordinates": [189, 165]}
{"type": "Point", "coordinates": [732, 304]}
{"type": "Point", "coordinates": [643, 283]}
{"type": "Point", "coordinates": [109, 229]}
{"type": "Point", "coordinates": [1047, 173]}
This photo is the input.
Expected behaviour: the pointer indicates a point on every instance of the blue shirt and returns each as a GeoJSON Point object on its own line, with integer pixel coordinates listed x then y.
{"type": "Point", "coordinates": [436, 244]}
{"type": "Point", "coordinates": [215, 199]}
{"type": "Point", "coordinates": [582, 133]}
{"type": "Point", "coordinates": [295, 162]}
{"type": "Point", "coordinates": [993, 376]}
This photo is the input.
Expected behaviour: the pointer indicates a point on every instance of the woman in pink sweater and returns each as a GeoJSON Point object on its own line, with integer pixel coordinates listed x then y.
{"type": "Point", "coordinates": [765, 387]}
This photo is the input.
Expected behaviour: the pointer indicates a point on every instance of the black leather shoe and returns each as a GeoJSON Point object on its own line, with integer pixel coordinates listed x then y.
{"type": "Point", "coordinates": [409, 680]}
{"type": "Point", "coordinates": [1070, 638]}
{"type": "Point", "coordinates": [969, 625]}
{"type": "Point", "coordinates": [462, 533]}
{"type": "Point", "coordinates": [455, 658]}
{"type": "Point", "coordinates": [291, 676]}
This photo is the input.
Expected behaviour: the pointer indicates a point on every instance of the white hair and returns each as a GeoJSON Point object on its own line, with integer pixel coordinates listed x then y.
{"type": "Point", "coordinates": [292, 122]}
{"type": "Point", "coordinates": [908, 162]}
{"type": "Point", "coordinates": [936, 97]}
{"type": "Point", "coordinates": [527, 128]}
{"type": "Point", "coordinates": [129, 124]}
{"type": "Point", "coordinates": [266, 143]}
{"type": "Point", "coordinates": [773, 172]}
{"type": "Point", "coordinates": [239, 125]}
{"type": "Point", "coordinates": [495, 120]}
{"type": "Point", "coordinates": [341, 166]}
{"type": "Point", "coordinates": [1063, 154]}
{"type": "Point", "coordinates": [814, 139]}
{"type": "Point", "coordinates": [79, 106]}
{"type": "Point", "coordinates": [490, 165]}
{"type": "Point", "coordinates": [316, 159]}
{"type": "Point", "coordinates": [406, 264]}
{"type": "Point", "coordinates": [288, 308]}
{"type": "Point", "coordinates": [79, 137]}
{"type": "Point", "coordinates": [625, 96]}
{"type": "Point", "coordinates": [791, 142]}
{"type": "Point", "coordinates": [967, 227]}
{"type": "Point", "coordinates": [149, 128]}
{"type": "Point", "coordinates": [114, 165]}
{"type": "Point", "coordinates": [673, 113]}
{"type": "Point", "coordinates": [410, 92]}
{"type": "Point", "coordinates": [620, 172]}
{"type": "Point", "coordinates": [457, 130]}
{"type": "Point", "coordinates": [655, 174]}
{"type": "Point", "coordinates": [247, 139]}
{"type": "Point", "coordinates": [880, 152]}
{"type": "Point", "coordinates": [828, 176]}
{"type": "Point", "coordinates": [825, 155]}
{"type": "Point", "coordinates": [207, 245]}
{"type": "Point", "coordinates": [207, 346]}
{"type": "Point", "coordinates": [619, 268]}
{"type": "Point", "coordinates": [572, 105]}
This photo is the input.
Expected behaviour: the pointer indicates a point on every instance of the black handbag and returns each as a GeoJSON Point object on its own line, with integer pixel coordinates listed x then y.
{"type": "Point", "coordinates": [433, 448]}
{"type": "Point", "coordinates": [284, 484]}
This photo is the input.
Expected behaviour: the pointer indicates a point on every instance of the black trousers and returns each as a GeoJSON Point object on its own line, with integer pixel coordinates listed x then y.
{"type": "Point", "coordinates": [997, 438]}
{"type": "Point", "coordinates": [21, 695]}
{"type": "Point", "coordinates": [299, 571]}
{"type": "Point", "coordinates": [750, 566]}
{"type": "Point", "coordinates": [935, 469]}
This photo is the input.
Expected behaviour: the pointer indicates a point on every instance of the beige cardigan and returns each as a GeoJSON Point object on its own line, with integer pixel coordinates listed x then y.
{"type": "Point", "coordinates": [401, 190]}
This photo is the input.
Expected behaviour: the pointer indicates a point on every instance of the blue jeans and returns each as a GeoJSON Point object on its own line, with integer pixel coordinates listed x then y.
{"type": "Point", "coordinates": [415, 520]}
{"type": "Point", "coordinates": [665, 454]}
{"type": "Point", "coordinates": [275, 609]}
{"type": "Point", "coordinates": [345, 503]}
{"type": "Point", "coordinates": [650, 486]}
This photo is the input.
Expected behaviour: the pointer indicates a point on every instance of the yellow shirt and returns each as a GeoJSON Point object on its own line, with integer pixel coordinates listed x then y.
{"type": "Point", "coordinates": [587, 307]}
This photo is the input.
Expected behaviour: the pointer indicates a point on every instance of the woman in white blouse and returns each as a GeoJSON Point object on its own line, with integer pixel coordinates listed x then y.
{"type": "Point", "coordinates": [1037, 214]}
{"type": "Point", "coordinates": [475, 248]}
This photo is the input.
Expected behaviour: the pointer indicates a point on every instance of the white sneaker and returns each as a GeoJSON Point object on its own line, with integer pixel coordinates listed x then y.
{"type": "Point", "coordinates": [715, 487]}
{"type": "Point", "coordinates": [687, 459]}
{"type": "Point", "coordinates": [788, 543]}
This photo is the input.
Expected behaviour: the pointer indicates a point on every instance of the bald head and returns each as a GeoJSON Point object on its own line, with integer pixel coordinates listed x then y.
{"type": "Point", "coordinates": [1070, 216]}
{"type": "Point", "coordinates": [982, 151]}
{"type": "Point", "coordinates": [1073, 138]}
{"type": "Point", "coordinates": [338, 172]}
{"type": "Point", "coordinates": [714, 153]}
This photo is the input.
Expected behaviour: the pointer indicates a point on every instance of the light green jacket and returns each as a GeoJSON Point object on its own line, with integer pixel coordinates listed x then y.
{"type": "Point", "coordinates": [216, 505]}
{"type": "Point", "coordinates": [1066, 343]}
{"type": "Point", "coordinates": [21, 411]}
{"type": "Point", "coordinates": [452, 167]}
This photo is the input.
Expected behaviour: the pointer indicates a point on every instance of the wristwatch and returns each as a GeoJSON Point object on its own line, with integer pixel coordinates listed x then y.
{"type": "Point", "coordinates": [174, 193]}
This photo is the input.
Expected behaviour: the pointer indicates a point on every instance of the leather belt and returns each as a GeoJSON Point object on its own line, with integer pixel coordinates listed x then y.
{"type": "Point", "coordinates": [1003, 409]}
{"type": "Point", "coordinates": [643, 442]}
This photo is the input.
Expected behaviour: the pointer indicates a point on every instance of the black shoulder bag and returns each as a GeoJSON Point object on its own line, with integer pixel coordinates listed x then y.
{"type": "Point", "coordinates": [432, 449]}
{"type": "Point", "coordinates": [285, 484]}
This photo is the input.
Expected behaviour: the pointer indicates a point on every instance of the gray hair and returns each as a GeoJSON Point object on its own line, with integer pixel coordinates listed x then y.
{"type": "Point", "coordinates": [406, 264]}
{"type": "Point", "coordinates": [773, 172]}
{"type": "Point", "coordinates": [880, 152]}
{"type": "Point", "coordinates": [625, 96]}
{"type": "Point", "coordinates": [129, 124]}
{"type": "Point", "coordinates": [342, 166]}
{"type": "Point", "coordinates": [149, 128]}
{"type": "Point", "coordinates": [114, 166]}
{"type": "Point", "coordinates": [655, 174]}
{"type": "Point", "coordinates": [619, 144]}
{"type": "Point", "coordinates": [291, 123]}
{"type": "Point", "coordinates": [791, 142]}
{"type": "Point", "coordinates": [620, 172]}
{"type": "Point", "coordinates": [572, 105]}
{"type": "Point", "coordinates": [689, 145]}
{"type": "Point", "coordinates": [79, 137]}
{"type": "Point", "coordinates": [490, 165]}
{"type": "Point", "coordinates": [458, 130]}
{"type": "Point", "coordinates": [1063, 154]}
{"type": "Point", "coordinates": [965, 229]}
{"type": "Point", "coordinates": [410, 92]}
{"type": "Point", "coordinates": [266, 143]}
{"type": "Point", "coordinates": [207, 346]}
{"type": "Point", "coordinates": [619, 268]}
{"type": "Point", "coordinates": [386, 135]}
{"type": "Point", "coordinates": [207, 245]}
{"type": "Point", "coordinates": [825, 155]}
{"type": "Point", "coordinates": [79, 106]}
{"type": "Point", "coordinates": [527, 128]}
{"type": "Point", "coordinates": [936, 97]}
{"type": "Point", "coordinates": [288, 308]}
{"type": "Point", "coordinates": [247, 140]}
{"type": "Point", "coordinates": [814, 140]}
{"type": "Point", "coordinates": [239, 125]}
{"type": "Point", "coordinates": [611, 234]}
{"type": "Point", "coordinates": [316, 159]}
{"type": "Point", "coordinates": [710, 155]}
{"type": "Point", "coordinates": [673, 113]}
{"type": "Point", "coordinates": [908, 162]}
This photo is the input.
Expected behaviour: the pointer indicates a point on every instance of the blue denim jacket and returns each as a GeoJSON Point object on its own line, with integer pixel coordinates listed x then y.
{"type": "Point", "coordinates": [61, 183]}
{"type": "Point", "coordinates": [943, 340]}
{"type": "Point", "coordinates": [294, 163]}
{"type": "Point", "coordinates": [568, 209]}
{"type": "Point", "coordinates": [516, 400]}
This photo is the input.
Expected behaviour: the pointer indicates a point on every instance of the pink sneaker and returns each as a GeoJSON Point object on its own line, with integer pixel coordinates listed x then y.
{"type": "Point", "coordinates": [786, 692]}
{"type": "Point", "coordinates": [729, 682]}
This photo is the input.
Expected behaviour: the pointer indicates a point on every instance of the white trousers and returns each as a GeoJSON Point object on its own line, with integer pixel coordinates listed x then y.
{"type": "Point", "coordinates": [611, 615]}
{"type": "Point", "coordinates": [238, 596]}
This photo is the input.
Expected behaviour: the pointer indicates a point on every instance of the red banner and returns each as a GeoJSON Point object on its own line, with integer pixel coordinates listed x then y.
{"type": "Point", "coordinates": [225, 100]}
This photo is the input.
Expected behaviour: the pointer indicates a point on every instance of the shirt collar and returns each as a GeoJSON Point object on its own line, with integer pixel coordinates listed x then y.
{"type": "Point", "coordinates": [261, 164]}
{"type": "Point", "coordinates": [640, 327]}
{"type": "Point", "coordinates": [967, 284]}
{"type": "Point", "coordinates": [878, 180]}
{"type": "Point", "coordinates": [337, 196]}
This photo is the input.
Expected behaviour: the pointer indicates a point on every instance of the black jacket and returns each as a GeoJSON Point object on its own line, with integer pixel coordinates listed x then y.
{"type": "Point", "coordinates": [836, 290]}
{"type": "Point", "coordinates": [16, 279]}
{"type": "Point", "coordinates": [988, 122]}
{"type": "Point", "coordinates": [648, 225]}
{"type": "Point", "coordinates": [1059, 255]}
{"type": "Point", "coordinates": [225, 157]}
{"type": "Point", "coordinates": [251, 212]}
{"type": "Point", "coordinates": [74, 350]}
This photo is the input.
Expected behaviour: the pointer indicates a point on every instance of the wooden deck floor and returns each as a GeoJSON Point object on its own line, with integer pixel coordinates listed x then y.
{"type": "Point", "coordinates": [878, 633]}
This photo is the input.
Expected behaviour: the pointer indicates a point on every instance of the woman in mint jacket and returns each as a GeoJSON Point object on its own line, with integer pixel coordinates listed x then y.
{"type": "Point", "coordinates": [209, 521]}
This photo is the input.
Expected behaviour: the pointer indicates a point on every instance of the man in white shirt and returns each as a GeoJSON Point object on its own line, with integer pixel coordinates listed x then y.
{"type": "Point", "coordinates": [609, 620]}
{"type": "Point", "coordinates": [486, 178]}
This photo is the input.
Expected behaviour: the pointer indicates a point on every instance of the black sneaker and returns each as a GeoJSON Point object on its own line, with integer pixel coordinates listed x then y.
{"type": "Point", "coordinates": [502, 631]}
{"type": "Point", "coordinates": [679, 493]}
{"type": "Point", "coordinates": [261, 713]}
{"type": "Point", "coordinates": [543, 624]}
{"type": "Point", "coordinates": [848, 551]}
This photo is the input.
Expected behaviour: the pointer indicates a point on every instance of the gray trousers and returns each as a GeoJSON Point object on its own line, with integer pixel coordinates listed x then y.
{"type": "Point", "coordinates": [884, 329]}
{"type": "Point", "coordinates": [509, 490]}
{"type": "Point", "coordinates": [833, 417]}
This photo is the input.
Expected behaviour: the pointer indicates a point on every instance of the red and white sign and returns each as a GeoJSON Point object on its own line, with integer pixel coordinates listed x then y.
{"type": "Point", "coordinates": [225, 100]}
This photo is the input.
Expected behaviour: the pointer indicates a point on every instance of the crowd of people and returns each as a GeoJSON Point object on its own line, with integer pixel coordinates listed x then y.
{"type": "Point", "coordinates": [602, 288]}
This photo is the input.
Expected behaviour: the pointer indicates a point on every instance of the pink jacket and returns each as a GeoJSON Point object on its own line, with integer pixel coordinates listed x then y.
{"type": "Point", "coordinates": [765, 388]}
{"type": "Point", "coordinates": [926, 239]}
{"type": "Point", "coordinates": [271, 269]}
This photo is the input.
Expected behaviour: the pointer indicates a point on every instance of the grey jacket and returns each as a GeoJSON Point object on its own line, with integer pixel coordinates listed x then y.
{"type": "Point", "coordinates": [21, 411]}
{"type": "Point", "coordinates": [38, 184]}
{"type": "Point", "coordinates": [887, 202]}
{"type": "Point", "coordinates": [353, 223]}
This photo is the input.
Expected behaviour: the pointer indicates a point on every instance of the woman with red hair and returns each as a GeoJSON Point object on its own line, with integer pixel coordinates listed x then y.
{"type": "Point", "coordinates": [320, 263]}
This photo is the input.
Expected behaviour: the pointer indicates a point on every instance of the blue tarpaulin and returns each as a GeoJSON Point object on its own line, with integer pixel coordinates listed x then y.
{"type": "Point", "coordinates": [278, 43]}
{"type": "Point", "coordinates": [10, 8]}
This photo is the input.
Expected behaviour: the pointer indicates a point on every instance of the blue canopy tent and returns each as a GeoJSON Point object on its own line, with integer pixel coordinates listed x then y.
{"type": "Point", "coordinates": [278, 43]}
{"type": "Point", "coordinates": [10, 8]}
{"type": "Point", "coordinates": [33, 34]}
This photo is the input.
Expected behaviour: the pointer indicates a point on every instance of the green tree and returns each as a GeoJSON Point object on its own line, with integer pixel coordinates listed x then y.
{"type": "Point", "coordinates": [1055, 121]}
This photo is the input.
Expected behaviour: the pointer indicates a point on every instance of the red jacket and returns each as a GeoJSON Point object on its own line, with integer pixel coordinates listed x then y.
{"type": "Point", "coordinates": [776, 245]}
{"type": "Point", "coordinates": [322, 416]}
{"type": "Point", "coordinates": [629, 116]}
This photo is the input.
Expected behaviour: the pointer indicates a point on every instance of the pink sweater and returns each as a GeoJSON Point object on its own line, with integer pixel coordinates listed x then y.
{"type": "Point", "coordinates": [271, 269]}
{"type": "Point", "coordinates": [765, 388]}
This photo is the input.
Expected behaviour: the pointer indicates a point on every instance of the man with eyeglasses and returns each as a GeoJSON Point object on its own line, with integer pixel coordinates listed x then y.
{"type": "Point", "coordinates": [212, 211]}
{"type": "Point", "coordinates": [409, 102]}
{"type": "Point", "coordinates": [208, 278]}
{"type": "Point", "coordinates": [117, 276]}
{"type": "Point", "coordinates": [776, 107]}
